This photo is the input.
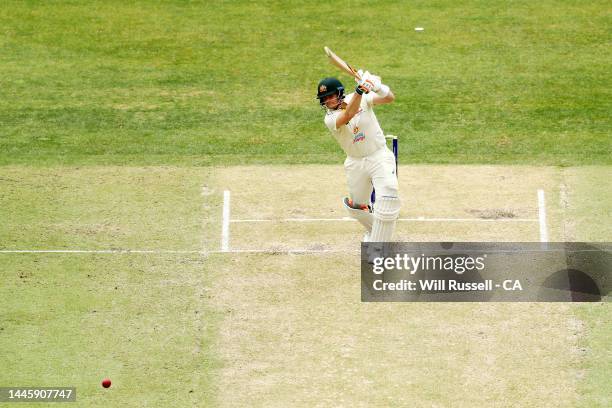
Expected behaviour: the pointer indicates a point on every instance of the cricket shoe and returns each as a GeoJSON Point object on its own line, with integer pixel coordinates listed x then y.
{"type": "Point", "coordinates": [348, 202]}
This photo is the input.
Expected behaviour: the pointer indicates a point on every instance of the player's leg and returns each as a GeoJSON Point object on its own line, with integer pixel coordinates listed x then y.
{"type": "Point", "coordinates": [387, 208]}
{"type": "Point", "coordinates": [359, 212]}
{"type": "Point", "coordinates": [360, 188]}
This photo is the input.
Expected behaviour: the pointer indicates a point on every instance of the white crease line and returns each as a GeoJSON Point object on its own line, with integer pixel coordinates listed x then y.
{"type": "Point", "coordinates": [418, 219]}
{"type": "Point", "coordinates": [542, 216]}
{"type": "Point", "coordinates": [226, 222]}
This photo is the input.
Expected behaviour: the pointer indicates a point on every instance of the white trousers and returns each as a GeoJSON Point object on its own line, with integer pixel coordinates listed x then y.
{"type": "Point", "coordinates": [377, 169]}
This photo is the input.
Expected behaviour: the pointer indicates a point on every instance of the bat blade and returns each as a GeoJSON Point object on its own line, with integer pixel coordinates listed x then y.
{"type": "Point", "coordinates": [340, 63]}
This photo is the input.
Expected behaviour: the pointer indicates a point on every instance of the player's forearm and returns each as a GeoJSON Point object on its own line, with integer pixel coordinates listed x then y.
{"type": "Point", "coordinates": [353, 106]}
{"type": "Point", "coordinates": [351, 110]}
{"type": "Point", "coordinates": [390, 97]}
{"type": "Point", "coordinates": [386, 96]}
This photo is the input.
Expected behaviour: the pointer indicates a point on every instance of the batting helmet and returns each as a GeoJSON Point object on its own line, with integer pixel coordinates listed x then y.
{"type": "Point", "coordinates": [329, 86]}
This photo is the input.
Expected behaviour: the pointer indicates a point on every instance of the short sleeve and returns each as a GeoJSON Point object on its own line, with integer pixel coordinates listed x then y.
{"type": "Point", "coordinates": [369, 99]}
{"type": "Point", "coordinates": [330, 121]}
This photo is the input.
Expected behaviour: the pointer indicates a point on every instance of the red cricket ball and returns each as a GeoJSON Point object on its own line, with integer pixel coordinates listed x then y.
{"type": "Point", "coordinates": [106, 382]}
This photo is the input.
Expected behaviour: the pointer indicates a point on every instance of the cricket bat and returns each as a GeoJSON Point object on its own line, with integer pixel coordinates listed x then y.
{"type": "Point", "coordinates": [340, 63]}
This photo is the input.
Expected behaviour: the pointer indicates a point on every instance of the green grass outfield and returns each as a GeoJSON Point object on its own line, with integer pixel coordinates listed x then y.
{"type": "Point", "coordinates": [233, 82]}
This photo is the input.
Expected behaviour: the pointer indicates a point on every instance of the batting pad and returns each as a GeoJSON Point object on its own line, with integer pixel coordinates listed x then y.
{"type": "Point", "coordinates": [364, 217]}
{"type": "Point", "coordinates": [386, 213]}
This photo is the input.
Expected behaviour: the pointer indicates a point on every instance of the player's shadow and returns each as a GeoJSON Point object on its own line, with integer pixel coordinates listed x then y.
{"type": "Point", "coordinates": [587, 276]}
{"type": "Point", "coordinates": [581, 286]}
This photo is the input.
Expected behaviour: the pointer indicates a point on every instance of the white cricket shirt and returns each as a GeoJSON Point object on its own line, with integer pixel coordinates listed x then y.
{"type": "Point", "coordinates": [362, 136]}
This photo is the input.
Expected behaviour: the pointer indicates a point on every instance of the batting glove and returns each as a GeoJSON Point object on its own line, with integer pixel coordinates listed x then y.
{"type": "Point", "coordinates": [376, 82]}
{"type": "Point", "coordinates": [365, 85]}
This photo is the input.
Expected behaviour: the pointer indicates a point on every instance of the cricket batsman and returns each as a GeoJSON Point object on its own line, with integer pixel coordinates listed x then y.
{"type": "Point", "coordinates": [369, 162]}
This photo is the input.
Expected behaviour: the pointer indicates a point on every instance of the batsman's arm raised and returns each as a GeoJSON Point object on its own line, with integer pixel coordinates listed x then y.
{"type": "Point", "coordinates": [364, 85]}
{"type": "Point", "coordinates": [351, 110]}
